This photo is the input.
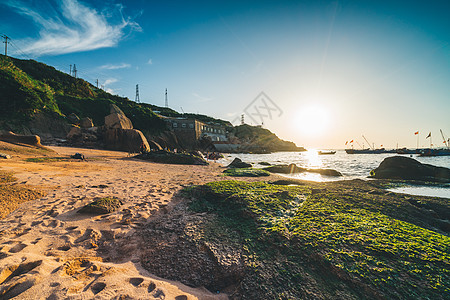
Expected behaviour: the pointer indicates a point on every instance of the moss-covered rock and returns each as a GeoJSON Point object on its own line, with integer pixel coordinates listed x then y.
{"type": "Point", "coordinates": [246, 172]}
{"type": "Point", "coordinates": [101, 206]}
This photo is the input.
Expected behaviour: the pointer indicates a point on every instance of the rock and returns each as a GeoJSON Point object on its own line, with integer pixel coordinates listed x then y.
{"type": "Point", "coordinates": [11, 137]}
{"type": "Point", "coordinates": [154, 145]}
{"type": "Point", "coordinates": [129, 140]}
{"type": "Point", "coordinates": [399, 167]}
{"type": "Point", "coordinates": [114, 109]}
{"type": "Point", "coordinates": [74, 132]}
{"type": "Point", "coordinates": [238, 163]}
{"type": "Point", "coordinates": [326, 172]}
{"type": "Point", "coordinates": [167, 157]}
{"type": "Point", "coordinates": [73, 118]}
{"type": "Point", "coordinates": [5, 156]}
{"type": "Point", "coordinates": [285, 169]}
{"type": "Point", "coordinates": [293, 168]}
{"type": "Point", "coordinates": [78, 156]}
{"type": "Point", "coordinates": [101, 206]}
{"type": "Point", "coordinates": [247, 172]}
{"type": "Point", "coordinates": [86, 123]}
{"type": "Point", "coordinates": [119, 121]}
{"type": "Point", "coordinates": [264, 163]}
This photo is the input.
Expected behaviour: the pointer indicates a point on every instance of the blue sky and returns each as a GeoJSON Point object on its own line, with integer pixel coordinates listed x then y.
{"type": "Point", "coordinates": [331, 71]}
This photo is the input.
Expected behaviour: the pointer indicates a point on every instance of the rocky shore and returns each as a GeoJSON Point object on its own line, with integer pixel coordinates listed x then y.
{"type": "Point", "coordinates": [192, 232]}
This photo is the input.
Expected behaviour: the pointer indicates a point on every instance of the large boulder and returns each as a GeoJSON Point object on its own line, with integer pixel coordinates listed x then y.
{"type": "Point", "coordinates": [73, 118]}
{"type": "Point", "coordinates": [238, 163]}
{"type": "Point", "coordinates": [400, 167]}
{"type": "Point", "coordinates": [118, 121]}
{"type": "Point", "coordinates": [129, 140]}
{"type": "Point", "coordinates": [11, 137]}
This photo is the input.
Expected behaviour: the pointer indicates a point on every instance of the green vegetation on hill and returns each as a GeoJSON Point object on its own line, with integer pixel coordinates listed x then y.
{"type": "Point", "coordinates": [262, 140]}
{"type": "Point", "coordinates": [341, 241]}
{"type": "Point", "coordinates": [29, 87]}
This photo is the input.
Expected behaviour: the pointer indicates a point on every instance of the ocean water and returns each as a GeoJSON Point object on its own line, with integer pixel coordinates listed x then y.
{"type": "Point", "coordinates": [352, 166]}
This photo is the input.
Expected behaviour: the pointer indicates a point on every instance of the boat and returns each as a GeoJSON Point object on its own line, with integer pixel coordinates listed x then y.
{"type": "Point", "coordinates": [326, 152]}
{"type": "Point", "coordinates": [435, 152]}
{"type": "Point", "coordinates": [365, 151]}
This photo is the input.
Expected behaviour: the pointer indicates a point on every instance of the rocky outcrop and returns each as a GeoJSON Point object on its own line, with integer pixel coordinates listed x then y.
{"type": "Point", "coordinates": [101, 206]}
{"type": "Point", "coordinates": [238, 163]}
{"type": "Point", "coordinates": [293, 168]}
{"type": "Point", "coordinates": [11, 137]}
{"type": "Point", "coordinates": [168, 157]}
{"type": "Point", "coordinates": [399, 167]}
{"type": "Point", "coordinates": [73, 118]}
{"type": "Point", "coordinates": [130, 140]}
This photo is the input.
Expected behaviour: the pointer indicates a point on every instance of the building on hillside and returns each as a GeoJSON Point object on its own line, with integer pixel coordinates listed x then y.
{"type": "Point", "coordinates": [189, 131]}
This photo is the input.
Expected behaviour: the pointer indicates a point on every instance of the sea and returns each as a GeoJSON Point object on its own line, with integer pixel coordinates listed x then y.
{"type": "Point", "coordinates": [352, 166]}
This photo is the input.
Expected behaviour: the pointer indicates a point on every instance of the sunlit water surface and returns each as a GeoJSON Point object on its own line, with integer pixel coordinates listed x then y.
{"type": "Point", "coordinates": [352, 166]}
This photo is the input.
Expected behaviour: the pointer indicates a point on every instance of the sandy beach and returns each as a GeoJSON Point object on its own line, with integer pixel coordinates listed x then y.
{"type": "Point", "coordinates": [49, 251]}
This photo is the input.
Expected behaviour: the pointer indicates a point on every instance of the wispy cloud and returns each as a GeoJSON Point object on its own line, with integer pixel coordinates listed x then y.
{"type": "Point", "coordinates": [201, 98]}
{"type": "Point", "coordinates": [109, 81]}
{"type": "Point", "coordinates": [150, 62]}
{"type": "Point", "coordinates": [115, 67]}
{"type": "Point", "coordinates": [73, 27]}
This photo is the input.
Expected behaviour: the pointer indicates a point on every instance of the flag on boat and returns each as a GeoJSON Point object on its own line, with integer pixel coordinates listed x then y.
{"type": "Point", "coordinates": [416, 133]}
{"type": "Point", "coordinates": [429, 135]}
{"type": "Point", "coordinates": [351, 141]}
{"type": "Point", "coordinates": [346, 142]}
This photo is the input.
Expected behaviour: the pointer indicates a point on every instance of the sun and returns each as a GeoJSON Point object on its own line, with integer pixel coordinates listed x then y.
{"type": "Point", "coordinates": [312, 120]}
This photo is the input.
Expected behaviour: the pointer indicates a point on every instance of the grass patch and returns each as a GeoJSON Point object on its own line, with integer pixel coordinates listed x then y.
{"type": "Point", "coordinates": [360, 243]}
{"type": "Point", "coordinates": [6, 177]}
{"type": "Point", "coordinates": [46, 159]}
{"type": "Point", "coordinates": [245, 172]}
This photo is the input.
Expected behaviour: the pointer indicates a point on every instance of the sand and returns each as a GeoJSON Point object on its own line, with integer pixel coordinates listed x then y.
{"type": "Point", "coordinates": [49, 251]}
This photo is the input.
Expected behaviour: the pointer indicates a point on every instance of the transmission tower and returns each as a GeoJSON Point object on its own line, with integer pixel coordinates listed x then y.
{"type": "Point", "coordinates": [70, 70]}
{"type": "Point", "coordinates": [74, 71]}
{"type": "Point", "coordinates": [137, 94]}
{"type": "Point", "coordinates": [6, 44]}
{"type": "Point", "coordinates": [167, 100]}
{"type": "Point", "coordinates": [242, 119]}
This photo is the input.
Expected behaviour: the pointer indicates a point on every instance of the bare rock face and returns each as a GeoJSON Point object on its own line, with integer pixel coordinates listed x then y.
{"type": "Point", "coordinates": [130, 140]}
{"type": "Point", "coordinates": [11, 137]}
{"type": "Point", "coordinates": [118, 121]}
{"type": "Point", "coordinates": [86, 123]}
{"type": "Point", "coordinates": [74, 132]}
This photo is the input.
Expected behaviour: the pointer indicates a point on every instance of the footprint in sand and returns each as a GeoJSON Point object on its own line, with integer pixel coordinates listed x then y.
{"type": "Point", "coordinates": [98, 287]}
{"type": "Point", "coordinates": [136, 281]}
{"type": "Point", "coordinates": [159, 294]}
{"type": "Point", "coordinates": [17, 248]}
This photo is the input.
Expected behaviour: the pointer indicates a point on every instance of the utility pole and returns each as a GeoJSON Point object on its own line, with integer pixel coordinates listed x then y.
{"type": "Point", "coordinates": [6, 44]}
{"type": "Point", "coordinates": [137, 94]}
{"type": "Point", "coordinates": [167, 101]}
{"type": "Point", "coordinates": [70, 70]}
{"type": "Point", "coordinates": [74, 71]}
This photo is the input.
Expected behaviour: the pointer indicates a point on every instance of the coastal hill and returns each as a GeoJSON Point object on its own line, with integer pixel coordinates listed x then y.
{"type": "Point", "coordinates": [38, 99]}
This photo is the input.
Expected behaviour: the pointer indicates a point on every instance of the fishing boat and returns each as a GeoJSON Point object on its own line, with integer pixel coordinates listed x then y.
{"type": "Point", "coordinates": [326, 152]}
{"type": "Point", "coordinates": [435, 152]}
{"type": "Point", "coordinates": [365, 151]}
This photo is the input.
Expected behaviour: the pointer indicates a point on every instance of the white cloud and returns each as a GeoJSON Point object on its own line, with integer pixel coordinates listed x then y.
{"type": "Point", "coordinates": [115, 67]}
{"type": "Point", "coordinates": [150, 62]}
{"type": "Point", "coordinates": [109, 81]}
{"type": "Point", "coordinates": [72, 27]}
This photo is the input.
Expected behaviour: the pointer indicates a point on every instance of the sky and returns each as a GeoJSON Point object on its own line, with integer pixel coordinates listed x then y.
{"type": "Point", "coordinates": [318, 73]}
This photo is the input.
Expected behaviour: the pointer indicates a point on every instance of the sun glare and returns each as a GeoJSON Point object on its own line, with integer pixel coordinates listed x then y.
{"type": "Point", "coordinates": [312, 120]}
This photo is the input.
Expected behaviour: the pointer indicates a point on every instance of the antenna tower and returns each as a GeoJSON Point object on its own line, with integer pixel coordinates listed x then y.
{"type": "Point", "coordinates": [74, 71]}
{"type": "Point", "coordinates": [242, 119]}
{"type": "Point", "coordinates": [137, 94]}
{"type": "Point", "coordinates": [70, 70]}
{"type": "Point", "coordinates": [167, 100]}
